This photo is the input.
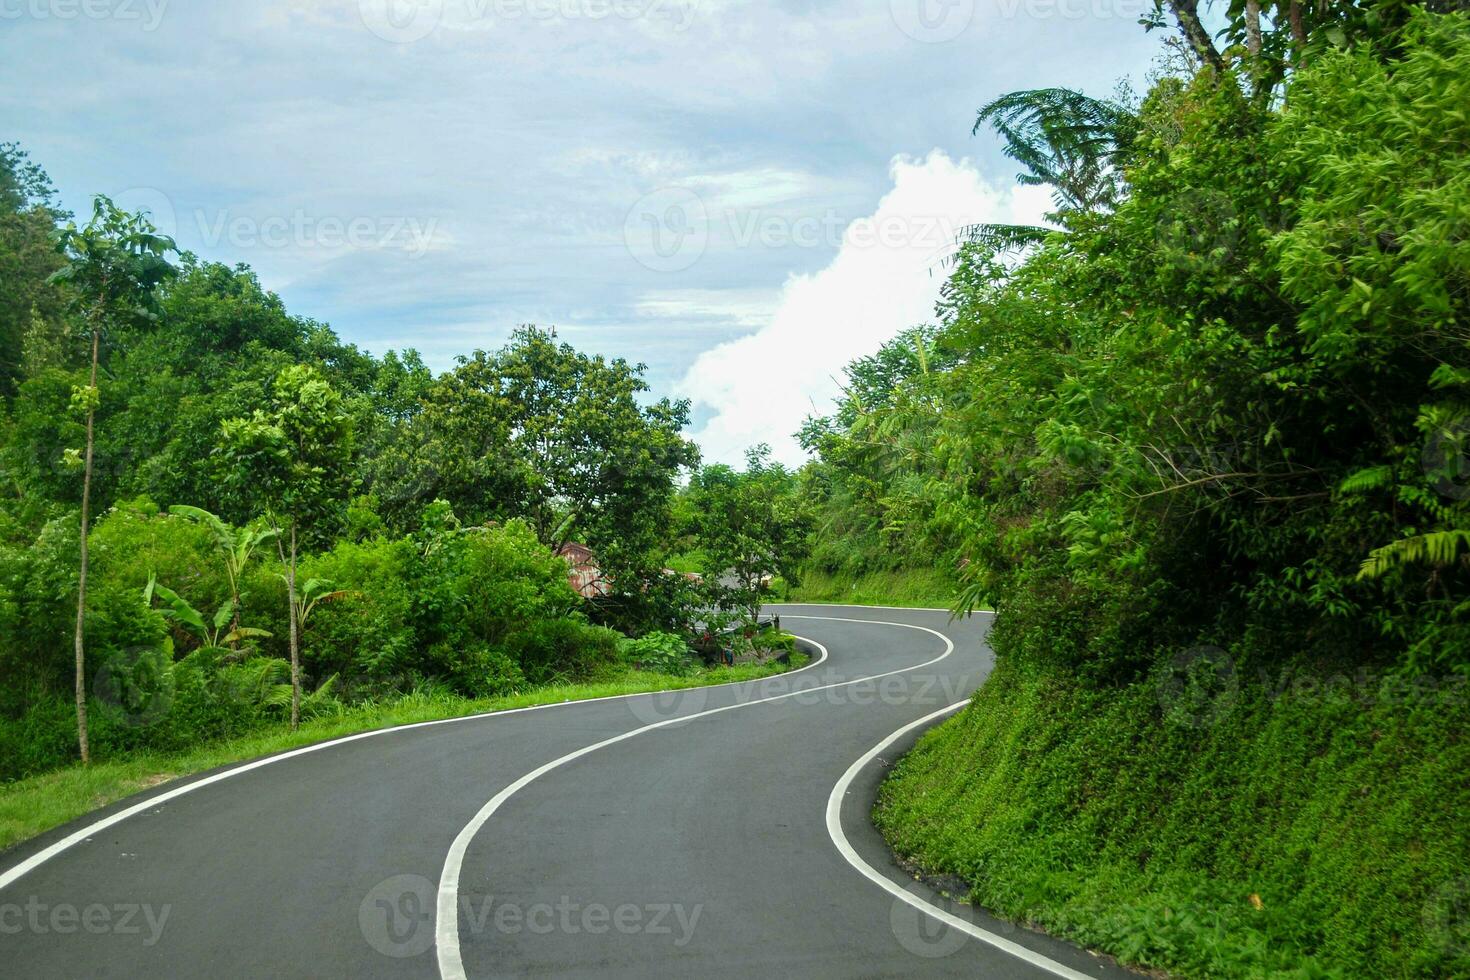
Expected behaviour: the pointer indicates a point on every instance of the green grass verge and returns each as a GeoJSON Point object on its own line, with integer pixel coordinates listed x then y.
{"type": "Point", "coordinates": [32, 806]}
{"type": "Point", "coordinates": [1313, 832]}
{"type": "Point", "coordinates": [915, 587]}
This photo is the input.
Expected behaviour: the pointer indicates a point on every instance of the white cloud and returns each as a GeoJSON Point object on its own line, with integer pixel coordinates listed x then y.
{"type": "Point", "coordinates": [749, 308]}
{"type": "Point", "coordinates": [886, 277]}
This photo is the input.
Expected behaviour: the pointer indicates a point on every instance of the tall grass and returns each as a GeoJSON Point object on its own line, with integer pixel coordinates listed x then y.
{"type": "Point", "coordinates": [913, 587]}
{"type": "Point", "coordinates": [34, 805]}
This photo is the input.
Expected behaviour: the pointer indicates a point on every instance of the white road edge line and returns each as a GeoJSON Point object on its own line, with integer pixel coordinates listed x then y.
{"type": "Point", "coordinates": [11, 875]}
{"type": "Point", "coordinates": [446, 918]}
{"type": "Point", "coordinates": [839, 838]}
{"type": "Point", "coordinates": [857, 605]}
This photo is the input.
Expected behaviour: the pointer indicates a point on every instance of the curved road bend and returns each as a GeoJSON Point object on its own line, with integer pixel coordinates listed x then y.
{"type": "Point", "coordinates": [696, 841]}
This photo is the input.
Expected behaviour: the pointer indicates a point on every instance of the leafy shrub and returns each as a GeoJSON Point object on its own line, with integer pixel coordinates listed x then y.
{"type": "Point", "coordinates": [44, 737]}
{"type": "Point", "coordinates": [663, 653]}
{"type": "Point", "coordinates": [563, 650]}
{"type": "Point", "coordinates": [504, 577]}
{"type": "Point", "coordinates": [372, 629]}
{"type": "Point", "coordinates": [771, 641]}
{"type": "Point", "coordinates": [479, 671]}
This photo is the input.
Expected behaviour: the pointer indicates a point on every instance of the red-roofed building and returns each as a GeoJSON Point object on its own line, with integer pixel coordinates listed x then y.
{"type": "Point", "coordinates": [583, 573]}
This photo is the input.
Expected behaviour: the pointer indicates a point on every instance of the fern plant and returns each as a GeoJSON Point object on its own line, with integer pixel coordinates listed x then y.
{"type": "Point", "coordinates": [1438, 548]}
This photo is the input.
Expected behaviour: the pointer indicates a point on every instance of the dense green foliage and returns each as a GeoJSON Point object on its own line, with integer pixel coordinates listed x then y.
{"type": "Point", "coordinates": [1204, 449]}
{"type": "Point", "coordinates": [1309, 832]}
{"type": "Point", "coordinates": [280, 526]}
{"type": "Point", "coordinates": [747, 527]}
{"type": "Point", "coordinates": [31, 806]}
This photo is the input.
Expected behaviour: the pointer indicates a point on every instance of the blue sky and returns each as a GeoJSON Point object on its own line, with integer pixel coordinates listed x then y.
{"type": "Point", "coordinates": [742, 195]}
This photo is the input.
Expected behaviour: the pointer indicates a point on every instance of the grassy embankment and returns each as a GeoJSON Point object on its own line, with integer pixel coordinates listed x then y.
{"type": "Point", "coordinates": [32, 806]}
{"type": "Point", "coordinates": [1305, 830]}
{"type": "Point", "coordinates": [917, 587]}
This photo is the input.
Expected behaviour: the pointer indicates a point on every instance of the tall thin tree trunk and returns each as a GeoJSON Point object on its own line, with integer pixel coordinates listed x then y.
{"type": "Point", "coordinates": [1255, 68]}
{"type": "Point", "coordinates": [81, 680]}
{"type": "Point", "coordinates": [1187, 13]}
{"type": "Point", "coordinates": [1298, 30]}
{"type": "Point", "coordinates": [235, 598]}
{"type": "Point", "coordinates": [295, 636]}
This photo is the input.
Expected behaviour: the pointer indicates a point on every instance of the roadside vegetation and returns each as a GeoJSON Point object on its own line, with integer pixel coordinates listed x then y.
{"type": "Point", "coordinates": [1202, 443]}
{"type": "Point", "coordinates": [915, 587]}
{"type": "Point", "coordinates": [1203, 447]}
{"type": "Point", "coordinates": [36, 804]}
{"type": "Point", "coordinates": [223, 531]}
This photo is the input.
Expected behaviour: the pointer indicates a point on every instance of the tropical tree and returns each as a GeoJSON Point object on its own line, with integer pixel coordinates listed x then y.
{"type": "Point", "coordinates": [211, 632]}
{"type": "Point", "coordinates": [114, 265]}
{"type": "Point", "coordinates": [751, 527]}
{"type": "Point", "coordinates": [31, 306]}
{"type": "Point", "coordinates": [1064, 140]}
{"type": "Point", "coordinates": [596, 463]}
{"type": "Point", "coordinates": [293, 458]}
{"type": "Point", "coordinates": [540, 431]}
{"type": "Point", "coordinates": [236, 546]}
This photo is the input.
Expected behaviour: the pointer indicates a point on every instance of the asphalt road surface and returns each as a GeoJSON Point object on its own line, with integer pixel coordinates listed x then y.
{"type": "Point", "coordinates": [713, 832]}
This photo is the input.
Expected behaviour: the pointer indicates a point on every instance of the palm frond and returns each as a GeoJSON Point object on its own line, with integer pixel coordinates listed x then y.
{"type": "Point", "coordinates": [1006, 238]}
{"type": "Point", "coordinates": [1372, 478]}
{"type": "Point", "coordinates": [1438, 548]}
{"type": "Point", "coordinates": [1064, 139]}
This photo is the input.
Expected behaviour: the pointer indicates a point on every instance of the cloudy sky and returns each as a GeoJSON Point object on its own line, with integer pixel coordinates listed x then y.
{"type": "Point", "coordinates": [743, 195]}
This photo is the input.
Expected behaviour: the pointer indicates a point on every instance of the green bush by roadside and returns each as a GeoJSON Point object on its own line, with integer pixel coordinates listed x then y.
{"type": "Point", "coordinates": [1277, 826]}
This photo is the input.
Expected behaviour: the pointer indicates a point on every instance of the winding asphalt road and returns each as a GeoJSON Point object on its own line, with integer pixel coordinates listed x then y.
{"type": "Point", "coordinates": [716, 831]}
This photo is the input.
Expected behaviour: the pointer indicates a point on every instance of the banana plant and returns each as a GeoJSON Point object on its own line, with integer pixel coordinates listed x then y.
{"type": "Point", "coordinates": [236, 545]}
{"type": "Point", "coordinates": [315, 592]}
{"type": "Point", "coordinates": [211, 633]}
